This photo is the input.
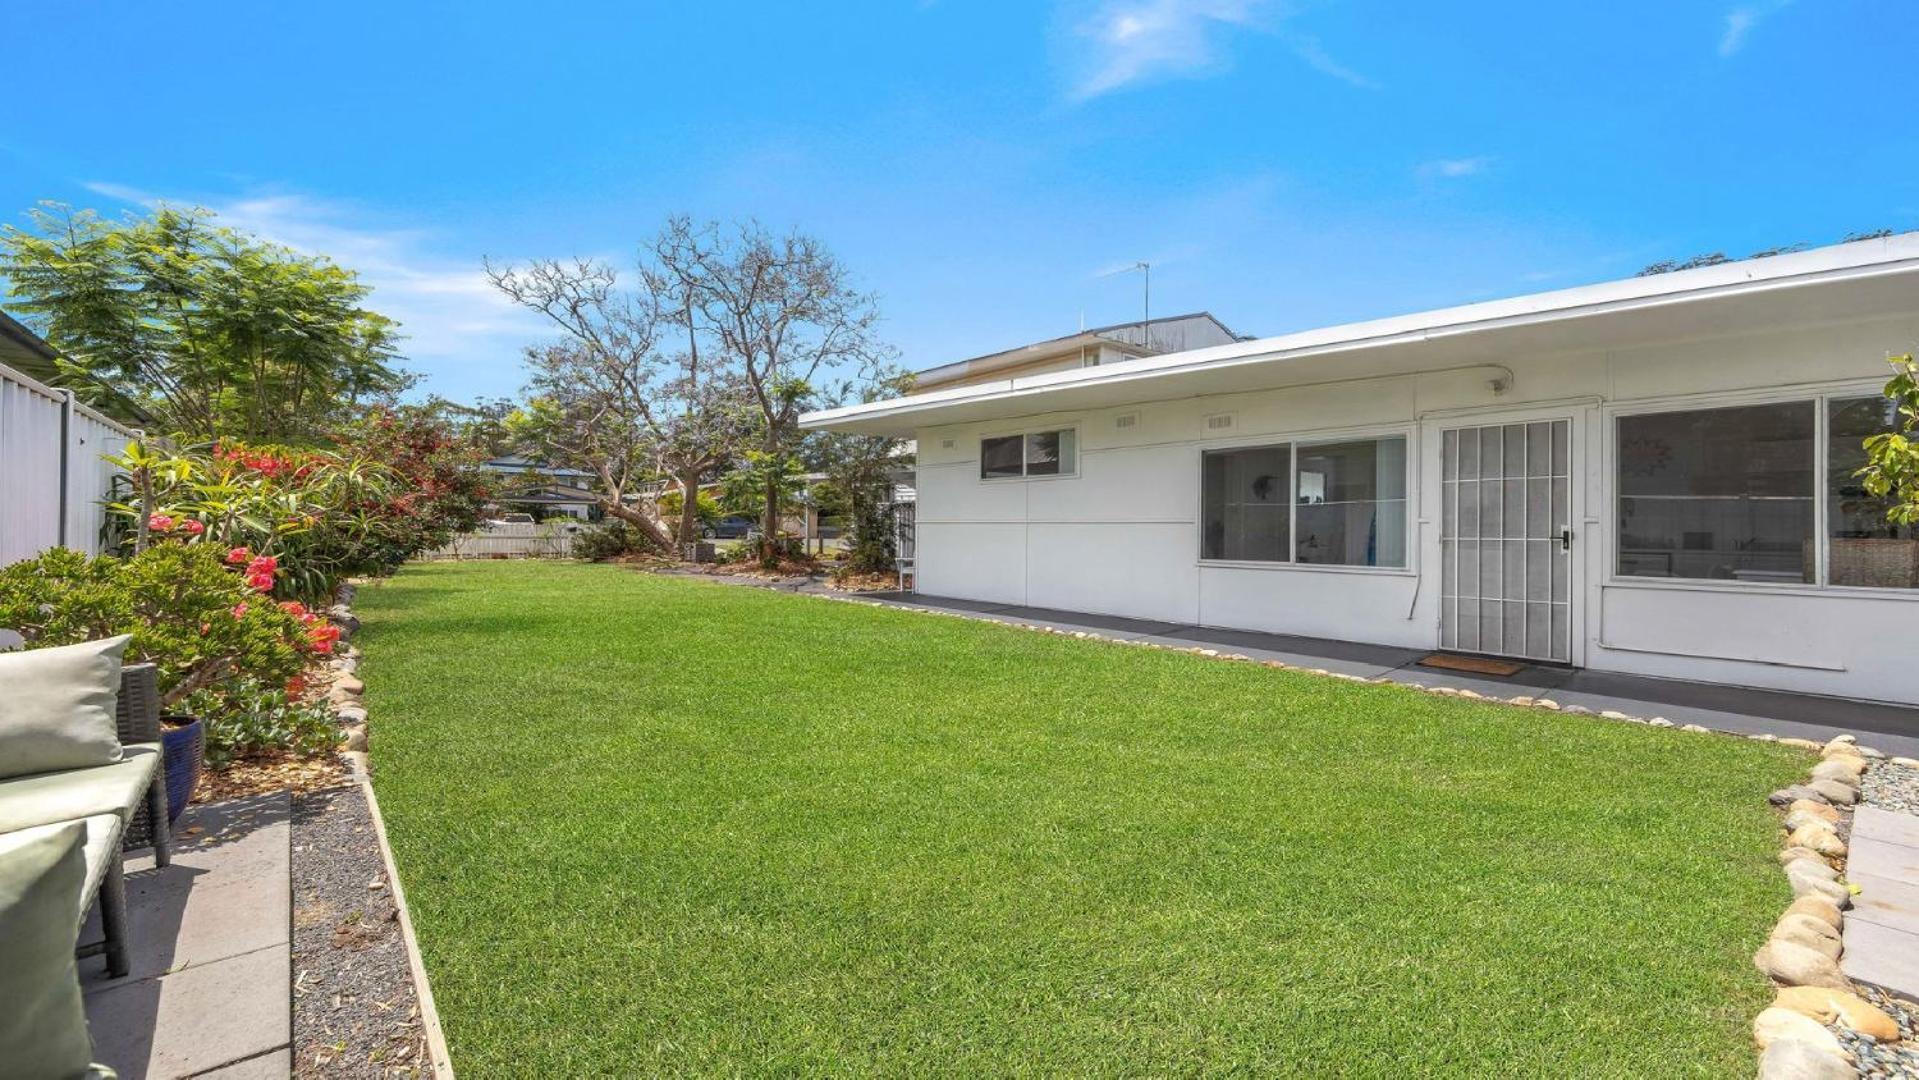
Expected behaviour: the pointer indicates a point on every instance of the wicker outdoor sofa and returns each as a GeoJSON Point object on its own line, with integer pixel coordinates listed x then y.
{"type": "Point", "coordinates": [122, 803]}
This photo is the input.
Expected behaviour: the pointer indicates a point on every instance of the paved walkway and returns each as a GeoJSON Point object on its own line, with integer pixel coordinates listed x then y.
{"type": "Point", "coordinates": [209, 990]}
{"type": "Point", "coordinates": [1882, 929]}
{"type": "Point", "coordinates": [1893, 729]}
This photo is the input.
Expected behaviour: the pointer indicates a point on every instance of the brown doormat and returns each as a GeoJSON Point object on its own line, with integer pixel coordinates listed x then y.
{"type": "Point", "coordinates": [1479, 665]}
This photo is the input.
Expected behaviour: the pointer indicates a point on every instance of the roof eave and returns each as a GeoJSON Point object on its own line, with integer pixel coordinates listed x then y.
{"type": "Point", "coordinates": [1822, 265]}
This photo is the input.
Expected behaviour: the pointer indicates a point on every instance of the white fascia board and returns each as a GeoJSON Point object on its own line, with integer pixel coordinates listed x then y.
{"type": "Point", "coordinates": [1858, 260]}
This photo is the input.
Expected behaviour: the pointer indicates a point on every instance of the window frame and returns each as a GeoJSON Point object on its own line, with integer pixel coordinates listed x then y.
{"type": "Point", "coordinates": [1293, 443]}
{"type": "Point", "coordinates": [1023, 435]}
{"type": "Point", "coordinates": [1821, 395]}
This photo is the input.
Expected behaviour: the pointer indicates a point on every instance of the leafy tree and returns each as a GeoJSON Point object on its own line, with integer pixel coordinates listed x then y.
{"type": "Point", "coordinates": [611, 396]}
{"type": "Point", "coordinates": [1892, 471]}
{"type": "Point", "coordinates": [782, 312]}
{"type": "Point", "coordinates": [860, 473]}
{"type": "Point", "coordinates": [707, 509]}
{"type": "Point", "coordinates": [210, 330]}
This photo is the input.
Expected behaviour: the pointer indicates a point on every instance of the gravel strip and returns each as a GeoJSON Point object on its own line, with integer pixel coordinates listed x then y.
{"type": "Point", "coordinates": [355, 1013]}
{"type": "Point", "coordinates": [1896, 788]}
{"type": "Point", "coordinates": [1891, 787]}
{"type": "Point", "coordinates": [1884, 1061]}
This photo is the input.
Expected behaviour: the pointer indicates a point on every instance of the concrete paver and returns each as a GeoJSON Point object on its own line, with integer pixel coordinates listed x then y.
{"type": "Point", "coordinates": [1882, 930]}
{"type": "Point", "coordinates": [210, 943]}
{"type": "Point", "coordinates": [273, 1065]}
{"type": "Point", "coordinates": [194, 1020]}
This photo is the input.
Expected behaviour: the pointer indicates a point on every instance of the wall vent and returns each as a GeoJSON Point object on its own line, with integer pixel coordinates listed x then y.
{"type": "Point", "coordinates": [1126, 420]}
{"type": "Point", "coordinates": [946, 444]}
{"type": "Point", "coordinates": [1220, 422]}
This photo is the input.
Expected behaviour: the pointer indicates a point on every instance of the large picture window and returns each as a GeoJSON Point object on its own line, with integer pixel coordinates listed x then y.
{"type": "Point", "coordinates": [1735, 494]}
{"type": "Point", "coordinates": [1717, 493]}
{"type": "Point", "coordinates": [1328, 504]}
{"type": "Point", "coordinates": [1036, 453]}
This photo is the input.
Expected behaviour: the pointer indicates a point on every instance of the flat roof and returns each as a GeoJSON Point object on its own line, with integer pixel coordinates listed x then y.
{"type": "Point", "coordinates": [1865, 278]}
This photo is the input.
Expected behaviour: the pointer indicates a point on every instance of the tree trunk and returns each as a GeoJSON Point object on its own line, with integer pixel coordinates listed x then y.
{"type": "Point", "coordinates": [770, 524]}
{"type": "Point", "coordinates": [648, 527]}
{"type": "Point", "coordinates": [689, 506]}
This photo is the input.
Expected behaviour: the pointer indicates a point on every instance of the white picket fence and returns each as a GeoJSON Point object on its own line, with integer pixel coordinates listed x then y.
{"type": "Point", "coordinates": [54, 475]}
{"type": "Point", "coordinates": [544, 540]}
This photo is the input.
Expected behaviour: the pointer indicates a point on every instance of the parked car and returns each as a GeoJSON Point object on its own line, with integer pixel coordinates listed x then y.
{"type": "Point", "coordinates": [512, 519]}
{"type": "Point", "coordinates": [731, 527]}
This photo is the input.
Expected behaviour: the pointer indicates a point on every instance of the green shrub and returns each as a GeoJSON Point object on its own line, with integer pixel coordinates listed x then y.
{"type": "Point", "coordinates": [706, 507]}
{"type": "Point", "coordinates": [249, 717]}
{"type": "Point", "coordinates": [189, 614]}
{"type": "Point", "coordinates": [609, 539]}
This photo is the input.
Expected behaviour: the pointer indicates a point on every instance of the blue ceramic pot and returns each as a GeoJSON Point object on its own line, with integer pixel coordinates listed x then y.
{"type": "Point", "coordinates": [185, 749]}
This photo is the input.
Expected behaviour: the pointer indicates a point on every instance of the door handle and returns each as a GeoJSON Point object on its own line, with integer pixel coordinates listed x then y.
{"type": "Point", "coordinates": [1565, 539]}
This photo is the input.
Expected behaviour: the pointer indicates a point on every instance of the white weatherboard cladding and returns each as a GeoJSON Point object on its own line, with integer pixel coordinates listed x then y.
{"type": "Point", "coordinates": [1122, 537]}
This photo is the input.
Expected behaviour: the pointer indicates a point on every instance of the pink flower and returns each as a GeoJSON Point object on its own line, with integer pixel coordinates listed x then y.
{"type": "Point", "coordinates": [262, 582]}
{"type": "Point", "coordinates": [193, 527]}
{"type": "Point", "coordinates": [263, 564]}
{"type": "Point", "coordinates": [240, 610]}
{"type": "Point", "coordinates": [159, 523]}
{"type": "Point", "coordinates": [238, 555]}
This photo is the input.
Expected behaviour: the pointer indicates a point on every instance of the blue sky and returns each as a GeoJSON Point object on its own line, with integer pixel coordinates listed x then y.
{"type": "Point", "coordinates": [981, 165]}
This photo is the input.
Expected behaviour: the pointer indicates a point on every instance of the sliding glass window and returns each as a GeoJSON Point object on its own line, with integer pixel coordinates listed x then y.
{"type": "Point", "coordinates": [1325, 504]}
{"type": "Point", "coordinates": [1036, 453]}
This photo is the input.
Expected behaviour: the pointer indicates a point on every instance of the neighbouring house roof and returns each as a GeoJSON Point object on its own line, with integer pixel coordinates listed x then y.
{"type": "Point", "coordinates": [23, 350]}
{"type": "Point", "coordinates": [556, 495]}
{"type": "Point", "coordinates": [1876, 278]}
{"type": "Point", "coordinates": [516, 464]}
{"type": "Point", "coordinates": [1137, 338]}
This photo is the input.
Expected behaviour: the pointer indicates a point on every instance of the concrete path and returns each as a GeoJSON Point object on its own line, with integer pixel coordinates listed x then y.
{"type": "Point", "coordinates": [209, 993]}
{"type": "Point", "coordinates": [1891, 728]}
{"type": "Point", "coordinates": [1882, 929]}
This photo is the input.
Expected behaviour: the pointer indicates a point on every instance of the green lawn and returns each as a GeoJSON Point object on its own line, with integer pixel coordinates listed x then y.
{"type": "Point", "coordinates": [650, 825]}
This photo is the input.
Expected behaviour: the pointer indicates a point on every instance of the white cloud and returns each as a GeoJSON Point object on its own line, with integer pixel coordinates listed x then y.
{"type": "Point", "coordinates": [1308, 49]}
{"type": "Point", "coordinates": [1125, 42]}
{"type": "Point", "coordinates": [459, 330]}
{"type": "Point", "coordinates": [1740, 21]}
{"type": "Point", "coordinates": [1448, 168]}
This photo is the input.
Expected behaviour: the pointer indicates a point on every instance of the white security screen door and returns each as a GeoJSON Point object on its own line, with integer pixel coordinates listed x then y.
{"type": "Point", "coordinates": [1505, 540]}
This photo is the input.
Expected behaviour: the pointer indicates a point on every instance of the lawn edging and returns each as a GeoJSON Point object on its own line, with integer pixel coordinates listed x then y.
{"type": "Point", "coordinates": [1818, 1025]}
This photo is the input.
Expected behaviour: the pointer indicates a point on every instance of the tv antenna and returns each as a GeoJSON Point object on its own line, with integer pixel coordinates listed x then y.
{"type": "Point", "coordinates": [1146, 297]}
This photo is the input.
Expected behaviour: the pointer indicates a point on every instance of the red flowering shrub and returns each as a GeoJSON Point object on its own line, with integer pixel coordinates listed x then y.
{"type": "Point", "coordinates": [300, 520]}
{"type": "Point", "coordinates": [189, 613]}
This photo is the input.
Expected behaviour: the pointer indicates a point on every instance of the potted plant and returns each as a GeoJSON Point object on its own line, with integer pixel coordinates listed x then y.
{"type": "Point", "coordinates": [183, 745]}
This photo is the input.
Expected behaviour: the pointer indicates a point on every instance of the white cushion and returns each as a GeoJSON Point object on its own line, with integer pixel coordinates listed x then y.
{"type": "Point", "coordinates": [43, 1028]}
{"type": "Point", "coordinates": [57, 707]}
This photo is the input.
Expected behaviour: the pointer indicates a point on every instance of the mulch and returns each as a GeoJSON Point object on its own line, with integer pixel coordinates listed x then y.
{"type": "Point", "coordinates": [279, 771]}
{"type": "Point", "coordinates": [355, 1010]}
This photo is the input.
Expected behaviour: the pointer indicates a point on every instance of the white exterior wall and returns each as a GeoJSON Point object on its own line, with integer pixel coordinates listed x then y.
{"type": "Point", "coordinates": [30, 464]}
{"type": "Point", "coordinates": [1122, 536]}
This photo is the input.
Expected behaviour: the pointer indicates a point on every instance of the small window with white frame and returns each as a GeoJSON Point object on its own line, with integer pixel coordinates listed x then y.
{"type": "Point", "coordinates": [1029, 454]}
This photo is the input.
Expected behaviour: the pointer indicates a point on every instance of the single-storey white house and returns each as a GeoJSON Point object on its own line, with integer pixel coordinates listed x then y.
{"type": "Point", "coordinates": [1651, 476]}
